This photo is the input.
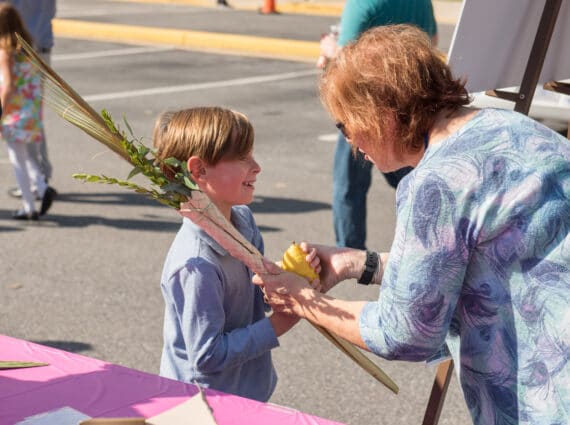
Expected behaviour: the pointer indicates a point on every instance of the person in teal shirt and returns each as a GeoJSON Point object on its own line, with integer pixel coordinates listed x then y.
{"type": "Point", "coordinates": [351, 174]}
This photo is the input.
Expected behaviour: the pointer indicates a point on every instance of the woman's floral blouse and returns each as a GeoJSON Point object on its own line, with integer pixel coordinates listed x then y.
{"type": "Point", "coordinates": [481, 262]}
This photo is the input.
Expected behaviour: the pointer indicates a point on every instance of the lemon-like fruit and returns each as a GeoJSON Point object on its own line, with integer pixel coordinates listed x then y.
{"type": "Point", "coordinates": [294, 261]}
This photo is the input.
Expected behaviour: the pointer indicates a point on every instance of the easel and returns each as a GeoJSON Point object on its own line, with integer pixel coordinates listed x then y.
{"type": "Point", "coordinates": [523, 100]}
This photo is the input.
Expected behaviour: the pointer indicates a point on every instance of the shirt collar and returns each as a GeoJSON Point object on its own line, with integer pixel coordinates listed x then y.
{"type": "Point", "coordinates": [239, 222]}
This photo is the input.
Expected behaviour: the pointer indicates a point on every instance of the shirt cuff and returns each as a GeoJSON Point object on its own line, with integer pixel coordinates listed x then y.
{"type": "Point", "coordinates": [264, 335]}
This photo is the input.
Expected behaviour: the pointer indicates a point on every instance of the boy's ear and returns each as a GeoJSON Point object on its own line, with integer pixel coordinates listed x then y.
{"type": "Point", "coordinates": [197, 168]}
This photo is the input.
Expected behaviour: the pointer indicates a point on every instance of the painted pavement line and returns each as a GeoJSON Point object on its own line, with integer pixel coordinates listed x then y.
{"type": "Point", "coordinates": [200, 40]}
{"type": "Point", "coordinates": [110, 53]}
{"type": "Point", "coordinates": [200, 86]}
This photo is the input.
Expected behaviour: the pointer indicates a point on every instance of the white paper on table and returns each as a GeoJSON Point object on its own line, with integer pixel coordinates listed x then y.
{"type": "Point", "coordinates": [195, 411]}
{"type": "Point", "coordinates": [62, 416]}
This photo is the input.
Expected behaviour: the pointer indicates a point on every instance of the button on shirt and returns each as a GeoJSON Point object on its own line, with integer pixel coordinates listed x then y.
{"type": "Point", "coordinates": [215, 329]}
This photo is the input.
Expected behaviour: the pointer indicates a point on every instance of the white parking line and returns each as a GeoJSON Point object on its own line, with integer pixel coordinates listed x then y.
{"type": "Point", "coordinates": [200, 86]}
{"type": "Point", "coordinates": [330, 137]}
{"type": "Point", "coordinates": [109, 53]}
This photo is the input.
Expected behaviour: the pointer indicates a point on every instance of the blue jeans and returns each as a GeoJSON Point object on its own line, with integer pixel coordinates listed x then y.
{"type": "Point", "coordinates": [351, 180]}
{"type": "Point", "coordinates": [352, 176]}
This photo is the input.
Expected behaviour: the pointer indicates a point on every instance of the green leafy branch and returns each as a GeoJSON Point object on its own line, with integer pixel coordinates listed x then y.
{"type": "Point", "coordinates": [171, 192]}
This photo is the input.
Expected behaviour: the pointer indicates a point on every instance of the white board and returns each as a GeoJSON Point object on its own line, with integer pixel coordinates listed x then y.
{"type": "Point", "coordinates": [493, 38]}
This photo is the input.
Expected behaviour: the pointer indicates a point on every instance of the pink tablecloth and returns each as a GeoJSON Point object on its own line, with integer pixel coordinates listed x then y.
{"type": "Point", "coordinates": [101, 389]}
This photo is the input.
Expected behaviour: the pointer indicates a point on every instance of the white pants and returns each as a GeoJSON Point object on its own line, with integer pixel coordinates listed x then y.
{"type": "Point", "coordinates": [27, 174]}
{"type": "Point", "coordinates": [38, 151]}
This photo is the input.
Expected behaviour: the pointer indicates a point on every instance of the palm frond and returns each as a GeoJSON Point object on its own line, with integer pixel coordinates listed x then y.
{"type": "Point", "coordinates": [179, 192]}
{"type": "Point", "coordinates": [14, 364]}
{"type": "Point", "coordinates": [70, 105]}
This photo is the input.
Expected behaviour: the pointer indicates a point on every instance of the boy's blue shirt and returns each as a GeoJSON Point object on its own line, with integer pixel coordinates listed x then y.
{"type": "Point", "coordinates": [215, 329]}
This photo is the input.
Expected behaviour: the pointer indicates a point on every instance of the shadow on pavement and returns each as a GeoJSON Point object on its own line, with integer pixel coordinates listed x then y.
{"type": "Point", "coordinates": [9, 229]}
{"type": "Point", "coordinates": [266, 204]}
{"type": "Point", "coordinates": [71, 346]}
{"type": "Point", "coordinates": [151, 223]}
{"type": "Point", "coordinates": [127, 223]}
{"type": "Point", "coordinates": [106, 198]}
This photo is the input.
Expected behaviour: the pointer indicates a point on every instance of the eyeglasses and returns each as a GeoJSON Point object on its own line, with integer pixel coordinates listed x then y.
{"type": "Point", "coordinates": [342, 129]}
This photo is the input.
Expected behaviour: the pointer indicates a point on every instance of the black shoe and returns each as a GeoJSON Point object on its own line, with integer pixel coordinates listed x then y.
{"type": "Point", "coordinates": [15, 192]}
{"type": "Point", "coordinates": [23, 215]}
{"type": "Point", "coordinates": [47, 199]}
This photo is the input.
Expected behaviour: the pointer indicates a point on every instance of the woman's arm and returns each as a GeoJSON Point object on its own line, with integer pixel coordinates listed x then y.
{"type": "Point", "coordinates": [338, 264]}
{"type": "Point", "coordinates": [291, 294]}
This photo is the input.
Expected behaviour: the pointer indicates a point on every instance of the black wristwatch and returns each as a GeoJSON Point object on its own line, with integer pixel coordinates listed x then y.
{"type": "Point", "coordinates": [370, 268]}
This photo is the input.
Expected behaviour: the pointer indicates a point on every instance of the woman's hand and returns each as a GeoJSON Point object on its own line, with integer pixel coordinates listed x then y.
{"type": "Point", "coordinates": [334, 264]}
{"type": "Point", "coordinates": [290, 294]}
{"type": "Point", "coordinates": [284, 291]}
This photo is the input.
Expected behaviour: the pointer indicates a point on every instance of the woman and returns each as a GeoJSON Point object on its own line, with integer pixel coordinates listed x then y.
{"type": "Point", "coordinates": [480, 263]}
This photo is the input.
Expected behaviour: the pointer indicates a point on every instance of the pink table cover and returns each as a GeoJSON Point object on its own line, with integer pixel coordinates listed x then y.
{"type": "Point", "coordinates": [101, 389]}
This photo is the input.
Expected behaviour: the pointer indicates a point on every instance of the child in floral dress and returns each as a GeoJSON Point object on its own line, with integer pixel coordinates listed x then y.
{"type": "Point", "coordinates": [20, 91]}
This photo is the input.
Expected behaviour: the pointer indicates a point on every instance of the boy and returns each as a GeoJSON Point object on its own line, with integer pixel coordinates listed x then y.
{"type": "Point", "coordinates": [216, 332]}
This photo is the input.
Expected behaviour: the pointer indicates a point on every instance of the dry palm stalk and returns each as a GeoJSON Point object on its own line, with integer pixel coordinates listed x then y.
{"type": "Point", "coordinates": [180, 192]}
{"type": "Point", "coordinates": [14, 364]}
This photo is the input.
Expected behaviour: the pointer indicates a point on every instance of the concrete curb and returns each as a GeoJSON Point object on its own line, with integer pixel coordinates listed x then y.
{"type": "Point", "coordinates": [276, 48]}
{"type": "Point", "coordinates": [304, 51]}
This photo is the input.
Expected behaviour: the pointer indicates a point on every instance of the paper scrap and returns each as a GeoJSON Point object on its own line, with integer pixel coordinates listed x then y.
{"type": "Point", "coordinates": [195, 411]}
{"type": "Point", "coordinates": [62, 416]}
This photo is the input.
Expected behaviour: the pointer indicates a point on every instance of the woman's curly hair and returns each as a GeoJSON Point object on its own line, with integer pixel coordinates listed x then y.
{"type": "Point", "coordinates": [391, 71]}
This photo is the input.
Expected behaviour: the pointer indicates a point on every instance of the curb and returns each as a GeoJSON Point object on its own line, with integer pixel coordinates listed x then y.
{"type": "Point", "coordinates": [276, 48]}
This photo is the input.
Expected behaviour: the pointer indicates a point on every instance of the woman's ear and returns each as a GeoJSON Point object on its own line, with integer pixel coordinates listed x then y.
{"type": "Point", "coordinates": [197, 168]}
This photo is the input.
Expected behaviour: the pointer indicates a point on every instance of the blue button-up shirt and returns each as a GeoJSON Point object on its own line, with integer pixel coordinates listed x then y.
{"type": "Point", "coordinates": [215, 328]}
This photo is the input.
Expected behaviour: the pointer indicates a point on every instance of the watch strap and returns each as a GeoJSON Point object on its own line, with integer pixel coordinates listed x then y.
{"type": "Point", "coordinates": [370, 267]}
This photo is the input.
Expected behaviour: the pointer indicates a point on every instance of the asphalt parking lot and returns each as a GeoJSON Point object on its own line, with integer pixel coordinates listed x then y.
{"type": "Point", "coordinates": [86, 277]}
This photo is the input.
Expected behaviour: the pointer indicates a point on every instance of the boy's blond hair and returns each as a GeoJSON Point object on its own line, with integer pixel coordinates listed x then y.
{"type": "Point", "coordinates": [210, 133]}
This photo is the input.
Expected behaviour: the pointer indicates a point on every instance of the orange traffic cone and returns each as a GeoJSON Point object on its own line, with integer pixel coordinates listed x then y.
{"type": "Point", "coordinates": [268, 6]}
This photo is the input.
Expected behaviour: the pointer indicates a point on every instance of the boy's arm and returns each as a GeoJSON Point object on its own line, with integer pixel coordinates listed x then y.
{"type": "Point", "coordinates": [197, 293]}
{"type": "Point", "coordinates": [282, 322]}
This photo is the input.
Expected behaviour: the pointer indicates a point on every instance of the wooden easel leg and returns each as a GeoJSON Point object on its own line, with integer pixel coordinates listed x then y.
{"type": "Point", "coordinates": [438, 391]}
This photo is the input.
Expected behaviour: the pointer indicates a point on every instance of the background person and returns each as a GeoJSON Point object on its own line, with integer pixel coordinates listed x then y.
{"type": "Point", "coordinates": [216, 332]}
{"type": "Point", "coordinates": [480, 263]}
{"type": "Point", "coordinates": [352, 175]}
{"type": "Point", "coordinates": [37, 16]}
{"type": "Point", "coordinates": [21, 121]}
